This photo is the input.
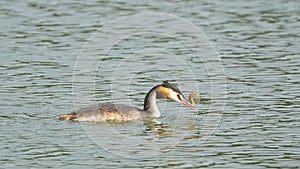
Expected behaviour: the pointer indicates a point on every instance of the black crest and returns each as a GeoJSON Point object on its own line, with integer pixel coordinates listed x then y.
{"type": "Point", "coordinates": [171, 86]}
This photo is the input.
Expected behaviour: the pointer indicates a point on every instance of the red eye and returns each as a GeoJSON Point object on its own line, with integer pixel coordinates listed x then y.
{"type": "Point", "coordinates": [178, 96]}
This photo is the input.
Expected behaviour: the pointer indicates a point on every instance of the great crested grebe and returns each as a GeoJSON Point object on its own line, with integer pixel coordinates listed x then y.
{"type": "Point", "coordinates": [120, 112]}
{"type": "Point", "coordinates": [192, 95]}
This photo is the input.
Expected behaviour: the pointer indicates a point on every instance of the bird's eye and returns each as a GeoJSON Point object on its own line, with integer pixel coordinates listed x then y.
{"type": "Point", "coordinates": [178, 96]}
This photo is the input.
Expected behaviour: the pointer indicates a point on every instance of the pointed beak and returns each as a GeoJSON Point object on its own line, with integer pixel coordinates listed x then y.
{"type": "Point", "coordinates": [187, 104]}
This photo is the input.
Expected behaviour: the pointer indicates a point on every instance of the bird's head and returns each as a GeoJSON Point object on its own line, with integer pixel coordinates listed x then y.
{"type": "Point", "coordinates": [170, 91]}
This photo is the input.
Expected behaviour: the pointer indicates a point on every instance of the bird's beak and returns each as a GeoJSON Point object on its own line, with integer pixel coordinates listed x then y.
{"type": "Point", "coordinates": [187, 104]}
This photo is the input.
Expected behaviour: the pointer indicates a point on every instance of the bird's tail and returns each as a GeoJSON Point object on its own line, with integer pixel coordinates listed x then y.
{"type": "Point", "coordinates": [70, 116]}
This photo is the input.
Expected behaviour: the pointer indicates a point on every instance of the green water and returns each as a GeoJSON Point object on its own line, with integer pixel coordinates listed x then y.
{"type": "Point", "coordinates": [258, 45]}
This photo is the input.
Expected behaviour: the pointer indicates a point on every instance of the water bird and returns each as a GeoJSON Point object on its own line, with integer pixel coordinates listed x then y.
{"type": "Point", "coordinates": [192, 95]}
{"type": "Point", "coordinates": [121, 112]}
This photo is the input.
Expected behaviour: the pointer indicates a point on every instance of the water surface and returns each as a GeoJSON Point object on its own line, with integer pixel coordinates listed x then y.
{"type": "Point", "coordinates": [258, 42]}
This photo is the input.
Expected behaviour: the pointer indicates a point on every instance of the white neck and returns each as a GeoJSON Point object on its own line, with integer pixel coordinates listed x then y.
{"type": "Point", "coordinates": [150, 103]}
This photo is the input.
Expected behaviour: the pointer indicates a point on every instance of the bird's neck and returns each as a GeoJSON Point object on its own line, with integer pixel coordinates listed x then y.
{"type": "Point", "coordinates": [150, 103]}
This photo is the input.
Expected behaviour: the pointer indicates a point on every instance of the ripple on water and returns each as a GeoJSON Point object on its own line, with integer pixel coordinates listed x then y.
{"type": "Point", "coordinates": [259, 46]}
